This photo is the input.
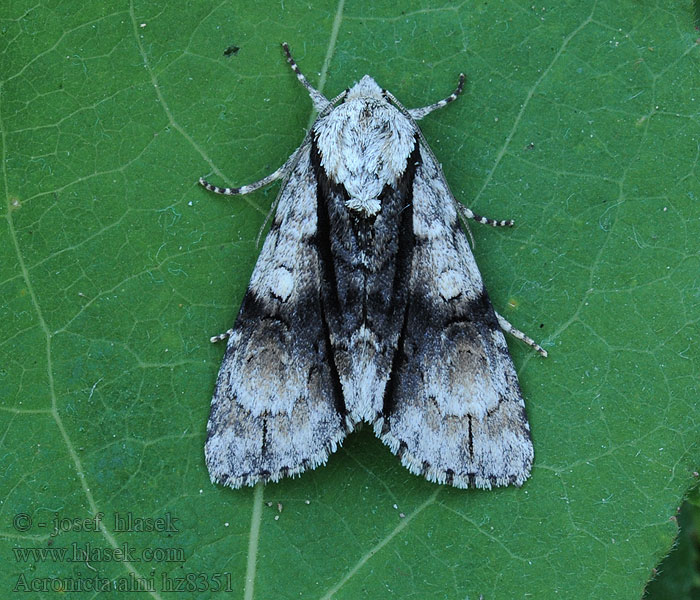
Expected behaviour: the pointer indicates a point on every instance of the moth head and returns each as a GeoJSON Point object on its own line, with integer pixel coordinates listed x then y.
{"type": "Point", "coordinates": [366, 87]}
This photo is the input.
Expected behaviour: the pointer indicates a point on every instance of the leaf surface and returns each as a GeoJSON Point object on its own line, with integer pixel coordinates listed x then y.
{"type": "Point", "coordinates": [580, 121]}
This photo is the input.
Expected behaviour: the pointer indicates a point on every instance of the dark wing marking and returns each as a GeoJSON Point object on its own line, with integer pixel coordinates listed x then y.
{"type": "Point", "coordinates": [453, 410]}
{"type": "Point", "coordinates": [366, 262]}
{"type": "Point", "coordinates": [277, 407]}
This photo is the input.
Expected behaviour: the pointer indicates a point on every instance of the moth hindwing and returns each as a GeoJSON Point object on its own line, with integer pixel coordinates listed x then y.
{"type": "Point", "coordinates": [366, 305]}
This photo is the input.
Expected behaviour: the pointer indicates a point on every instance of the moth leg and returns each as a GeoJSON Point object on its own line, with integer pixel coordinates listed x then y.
{"type": "Point", "coordinates": [467, 213]}
{"type": "Point", "coordinates": [251, 187]}
{"type": "Point", "coordinates": [516, 333]}
{"type": "Point", "coordinates": [221, 337]}
{"type": "Point", "coordinates": [319, 100]}
{"type": "Point", "coordinates": [419, 113]}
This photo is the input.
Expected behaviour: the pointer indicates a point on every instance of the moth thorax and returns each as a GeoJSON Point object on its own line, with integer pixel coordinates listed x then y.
{"type": "Point", "coordinates": [367, 207]}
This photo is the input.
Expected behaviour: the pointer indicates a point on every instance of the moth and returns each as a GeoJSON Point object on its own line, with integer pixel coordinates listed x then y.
{"type": "Point", "coordinates": [366, 305]}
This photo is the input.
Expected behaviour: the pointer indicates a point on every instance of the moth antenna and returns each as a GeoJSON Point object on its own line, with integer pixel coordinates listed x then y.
{"type": "Point", "coordinates": [419, 113]}
{"type": "Point", "coordinates": [319, 100]}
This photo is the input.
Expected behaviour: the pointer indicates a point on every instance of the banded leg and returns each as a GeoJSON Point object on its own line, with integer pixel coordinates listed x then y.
{"type": "Point", "coordinates": [419, 113]}
{"type": "Point", "coordinates": [251, 187]}
{"type": "Point", "coordinates": [467, 213]}
{"type": "Point", "coordinates": [319, 100]}
{"type": "Point", "coordinates": [516, 333]}
{"type": "Point", "coordinates": [221, 337]}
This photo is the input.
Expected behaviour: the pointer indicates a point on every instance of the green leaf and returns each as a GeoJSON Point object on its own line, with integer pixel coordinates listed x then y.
{"type": "Point", "coordinates": [679, 573]}
{"type": "Point", "coordinates": [580, 121]}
